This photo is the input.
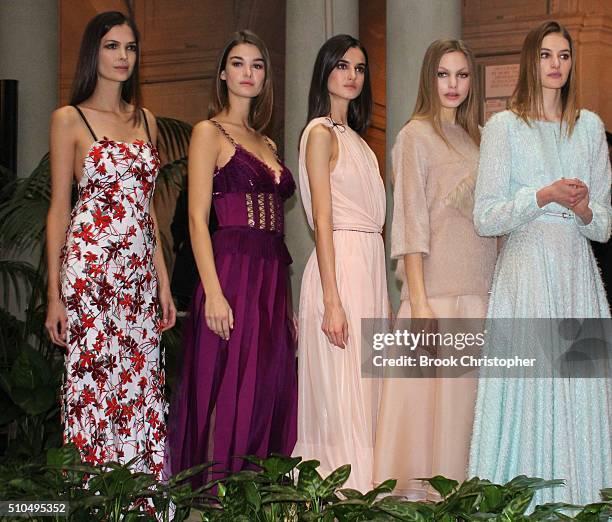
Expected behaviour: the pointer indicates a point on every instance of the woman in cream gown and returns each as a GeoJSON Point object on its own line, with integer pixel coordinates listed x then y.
{"type": "Point", "coordinates": [425, 424]}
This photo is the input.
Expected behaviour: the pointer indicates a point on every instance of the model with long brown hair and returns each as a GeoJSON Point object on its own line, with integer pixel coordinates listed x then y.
{"type": "Point", "coordinates": [544, 181]}
{"type": "Point", "coordinates": [444, 266]}
{"type": "Point", "coordinates": [237, 392]}
{"type": "Point", "coordinates": [107, 277]}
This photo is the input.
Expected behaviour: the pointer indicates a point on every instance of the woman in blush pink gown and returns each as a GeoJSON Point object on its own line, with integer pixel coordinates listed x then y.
{"type": "Point", "coordinates": [344, 279]}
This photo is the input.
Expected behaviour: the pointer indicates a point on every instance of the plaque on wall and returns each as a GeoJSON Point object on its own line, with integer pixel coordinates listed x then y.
{"type": "Point", "coordinates": [499, 83]}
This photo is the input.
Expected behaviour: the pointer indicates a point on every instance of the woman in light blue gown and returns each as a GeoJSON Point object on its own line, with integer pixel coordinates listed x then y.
{"type": "Point", "coordinates": [544, 180]}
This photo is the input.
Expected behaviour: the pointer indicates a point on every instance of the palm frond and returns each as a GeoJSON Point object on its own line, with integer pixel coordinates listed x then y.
{"type": "Point", "coordinates": [23, 214]}
{"type": "Point", "coordinates": [7, 183]}
{"type": "Point", "coordinates": [171, 178]}
{"type": "Point", "coordinates": [18, 276]}
{"type": "Point", "coordinates": [173, 138]}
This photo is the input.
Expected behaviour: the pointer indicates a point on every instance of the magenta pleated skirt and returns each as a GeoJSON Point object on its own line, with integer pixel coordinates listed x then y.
{"type": "Point", "coordinates": [238, 397]}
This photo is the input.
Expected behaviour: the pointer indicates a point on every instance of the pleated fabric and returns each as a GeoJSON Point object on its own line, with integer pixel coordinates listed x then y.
{"type": "Point", "coordinates": [337, 408]}
{"type": "Point", "coordinates": [425, 424]}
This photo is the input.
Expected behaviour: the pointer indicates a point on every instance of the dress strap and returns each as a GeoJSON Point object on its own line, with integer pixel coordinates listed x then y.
{"type": "Point", "coordinates": [271, 147]}
{"type": "Point", "coordinates": [146, 122]}
{"type": "Point", "coordinates": [86, 122]}
{"type": "Point", "coordinates": [224, 132]}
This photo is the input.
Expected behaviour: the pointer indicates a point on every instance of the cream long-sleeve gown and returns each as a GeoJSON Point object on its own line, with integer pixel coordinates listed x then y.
{"type": "Point", "coordinates": [337, 408]}
{"type": "Point", "coordinates": [546, 427]}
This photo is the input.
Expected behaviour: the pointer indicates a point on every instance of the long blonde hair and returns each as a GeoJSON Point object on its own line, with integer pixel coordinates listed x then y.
{"type": "Point", "coordinates": [526, 101]}
{"type": "Point", "coordinates": [428, 105]}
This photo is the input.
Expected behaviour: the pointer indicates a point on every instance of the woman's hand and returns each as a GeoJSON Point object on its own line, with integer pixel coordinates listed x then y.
{"type": "Point", "coordinates": [168, 309]}
{"type": "Point", "coordinates": [565, 192]}
{"type": "Point", "coordinates": [424, 317]}
{"type": "Point", "coordinates": [335, 325]}
{"type": "Point", "coordinates": [582, 209]}
{"type": "Point", "coordinates": [57, 322]}
{"type": "Point", "coordinates": [219, 315]}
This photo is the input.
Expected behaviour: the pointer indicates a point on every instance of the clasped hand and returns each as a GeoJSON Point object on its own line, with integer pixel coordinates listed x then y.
{"type": "Point", "coordinates": [571, 193]}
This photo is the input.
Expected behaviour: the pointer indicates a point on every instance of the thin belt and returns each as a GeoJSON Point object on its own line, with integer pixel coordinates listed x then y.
{"type": "Point", "coordinates": [355, 230]}
{"type": "Point", "coordinates": [564, 215]}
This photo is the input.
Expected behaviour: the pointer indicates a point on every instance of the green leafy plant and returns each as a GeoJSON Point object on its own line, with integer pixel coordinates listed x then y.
{"type": "Point", "coordinates": [278, 489]}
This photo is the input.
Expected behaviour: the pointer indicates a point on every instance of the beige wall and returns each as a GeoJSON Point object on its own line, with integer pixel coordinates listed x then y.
{"type": "Point", "coordinates": [29, 54]}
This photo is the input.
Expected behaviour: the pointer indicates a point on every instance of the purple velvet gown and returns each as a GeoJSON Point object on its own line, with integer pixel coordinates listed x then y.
{"type": "Point", "coordinates": [239, 397]}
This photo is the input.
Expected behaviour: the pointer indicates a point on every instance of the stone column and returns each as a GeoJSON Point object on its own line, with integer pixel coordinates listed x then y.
{"type": "Point", "coordinates": [309, 24]}
{"type": "Point", "coordinates": [411, 26]}
{"type": "Point", "coordinates": [29, 53]}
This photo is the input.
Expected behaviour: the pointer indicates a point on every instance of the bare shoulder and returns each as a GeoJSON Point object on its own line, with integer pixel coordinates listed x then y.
{"type": "Point", "coordinates": [205, 137]}
{"type": "Point", "coordinates": [150, 117]}
{"type": "Point", "coordinates": [205, 129]}
{"type": "Point", "coordinates": [65, 118]}
{"type": "Point", "coordinates": [320, 134]}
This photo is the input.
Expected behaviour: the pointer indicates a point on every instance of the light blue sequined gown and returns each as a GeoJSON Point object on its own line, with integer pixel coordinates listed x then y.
{"type": "Point", "coordinates": [549, 428]}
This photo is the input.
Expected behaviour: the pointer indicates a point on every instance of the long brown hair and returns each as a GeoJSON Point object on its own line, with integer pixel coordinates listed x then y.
{"type": "Point", "coordinates": [526, 101]}
{"type": "Point", "coordinates": [86, 77]}
{"type": "Point", "coordinates": [260, 111]}
{"type": "Point", "coordinates": [428, 105]}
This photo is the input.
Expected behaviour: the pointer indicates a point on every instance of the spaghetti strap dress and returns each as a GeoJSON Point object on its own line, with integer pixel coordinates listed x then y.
{"type": "Point", "coordinates": [113, 393]}
{"type": "Point", "coordinates": [238, 397]}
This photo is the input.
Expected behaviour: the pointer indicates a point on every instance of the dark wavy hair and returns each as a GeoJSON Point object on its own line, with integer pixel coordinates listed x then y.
{"type": "Point", "coordinates": [260, 112]}
{"type": "Point", "coordinates": [332, 51]}
{"type": "Point", "coordinates": [86, 77]}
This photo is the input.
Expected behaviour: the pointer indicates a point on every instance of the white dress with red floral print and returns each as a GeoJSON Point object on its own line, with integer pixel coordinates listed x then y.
{"type": "Point", "coordinates": [114, 407]}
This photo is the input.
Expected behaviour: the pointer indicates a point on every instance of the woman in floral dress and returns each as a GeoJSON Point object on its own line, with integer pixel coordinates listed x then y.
{"type": "Point", "coordinates": [107, 278]}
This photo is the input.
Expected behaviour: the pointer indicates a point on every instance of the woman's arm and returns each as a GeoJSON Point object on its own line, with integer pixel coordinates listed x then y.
{"type": "Point", "coordinates": [410, 226]}
{"type": "Point", "coordinates": [204, 150]}
{"type": "Point", "coordinates": [62, 146]}
{"type": "Point", "coordinates": [319, 154]}
{"type": "Point", "coordinates": [496, 210]}
{"type": "Point", "coordinates": [594, 213]}
{"type": "Point", "coordinates": [163, 290]}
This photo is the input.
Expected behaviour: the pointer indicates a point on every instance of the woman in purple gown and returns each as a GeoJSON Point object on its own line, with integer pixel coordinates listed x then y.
{"type": "Point", "coordinates": [237, 392]}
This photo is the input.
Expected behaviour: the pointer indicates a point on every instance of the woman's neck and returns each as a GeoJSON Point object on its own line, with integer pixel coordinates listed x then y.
{"type": "Point", "coordinates": [237, 111]}
{"type": "Point", "coordinates": [338, 109]}
{"type": "Point", "coordinates": [107, 97]}
{"type": "Point", "coordinates": [551, 104]}
{"type": "Point", "coordinates": [448, 115]}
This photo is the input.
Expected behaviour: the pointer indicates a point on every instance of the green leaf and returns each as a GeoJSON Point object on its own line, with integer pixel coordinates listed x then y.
{"type": "Point", "coordinates": [188, 473]}
{"type": "Point", "coordinates": [35, 401]}
{"type": "Point", "coordinates": [30, 370]}
{"type": "Point", "coordinates": [309, 479]}
{"type": "Point", "coordinates": [351, 493]}
{"type": "Point", "coordinates": [522, 481]}
{"type": "Point", "coordinates": [334, 481]}
{"type": "Point", "coordinates": [518, 505]}
{"type": "Point", "coordinates": [441, 484]}
{"type": "Point", "coordinates": [64, 456]}
{"type": "Point", "coordinates": [492, 498]}
{"type": "Point", "coordinates": [252, 495]}
{"type": "Point", "coordinates": [401, 509]}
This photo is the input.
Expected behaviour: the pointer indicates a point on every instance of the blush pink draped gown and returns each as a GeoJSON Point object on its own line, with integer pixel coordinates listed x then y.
{"type": "Point", "coordinates": [337, 409]}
